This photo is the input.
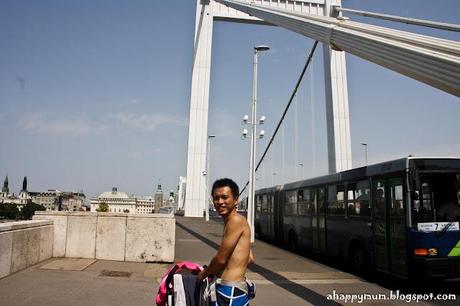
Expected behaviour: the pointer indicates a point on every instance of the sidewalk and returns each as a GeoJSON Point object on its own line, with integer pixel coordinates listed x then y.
{"type": "Point", "coordinates": [282, 278]}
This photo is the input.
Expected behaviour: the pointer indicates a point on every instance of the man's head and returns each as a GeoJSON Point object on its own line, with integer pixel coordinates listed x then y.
{"type": "Point", "coordinates": [226, 182]}
{"type": "Point", "coordinates": [225, 194]}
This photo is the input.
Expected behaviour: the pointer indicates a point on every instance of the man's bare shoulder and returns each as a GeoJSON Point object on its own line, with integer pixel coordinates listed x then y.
{"type": "Point", "coordinates": [237, 221]}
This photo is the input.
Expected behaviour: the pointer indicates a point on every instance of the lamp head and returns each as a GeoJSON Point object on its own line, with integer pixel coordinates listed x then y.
{"type": "Point", "coordinates": [261, 48]}
{"type": "Point", "coordinates": [262, 134]}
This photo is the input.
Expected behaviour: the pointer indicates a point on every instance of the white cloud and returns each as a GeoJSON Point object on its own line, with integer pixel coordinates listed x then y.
{"type": "Point", "coordinates": [150, 121]}
{"type": "Point", "coordinates": [55, 124]}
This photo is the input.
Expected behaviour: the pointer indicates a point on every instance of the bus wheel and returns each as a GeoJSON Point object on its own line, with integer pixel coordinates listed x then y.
{"type": "Point", "coordinates": [292, 241]}
{"type": "Point", "coordinates": [357, 259]}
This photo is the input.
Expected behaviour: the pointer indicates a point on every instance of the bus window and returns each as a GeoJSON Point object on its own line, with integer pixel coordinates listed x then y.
{"type": "Point", "coordinates": [438, 198]}
{"type": "Point", "coordinates": [313, 199]}
{"type": "Point", "coordinates": [264, 205]}
{"type": "Point", "coordinates": [397, 207]}
{"type": "Point", "coordinates": [379, 198]}
{"type": "Point", "coordinates": [322, 200]}
{"type": "Point", "coordinates": [427, 214]}
{"type": "Point", "coordinates": [270, 204]}
{"type": "Point", "coordinates": [301, 204]}
{"type": "Point", "coordinates": [335, 199]}
{"type": "Point", "coordinates": [258, 203]}
{"type": "Point", "coordinates": [358, 203]}
{"type": "Point", "coordinates": [304, 202]}
{"type": "Point", "coordinates": [309, 200]}
{"type": "Point", "coordinates": [290, 205]}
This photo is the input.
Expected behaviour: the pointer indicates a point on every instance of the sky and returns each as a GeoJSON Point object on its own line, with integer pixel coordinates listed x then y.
{"type": "Point", "coordinates": [95, 94]}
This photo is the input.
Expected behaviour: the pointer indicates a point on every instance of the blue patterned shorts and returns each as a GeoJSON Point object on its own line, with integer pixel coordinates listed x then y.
{"type": "Point", "coordinates": [230, 295]}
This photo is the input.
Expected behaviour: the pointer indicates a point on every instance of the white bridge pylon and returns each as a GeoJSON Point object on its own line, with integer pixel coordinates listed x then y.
{"type": "Point", "coordinates": [338, 127]}
{"type": "Point", "coordinates": [431, 60]}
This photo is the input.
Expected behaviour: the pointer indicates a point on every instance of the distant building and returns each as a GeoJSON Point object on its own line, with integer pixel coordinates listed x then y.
{"type": "Point", "coordinates": [72, 201]}
{"type": "Point", "coordinates": [20, 200]}
{"type": "Point", "coordinates": [158, 198]}
{"type": "Point", "coordinates": [5, 188]}
{"type": "Point", "coordinates": [172, 198]}
{"type": "Point", "coordinates": [121, 202]}
{"type": "Point", "coordinates": [51, 199]}
{"type": "Point", "coordinates": [145, 205]}
{"type": "Point", "coordinates": [181, 192]}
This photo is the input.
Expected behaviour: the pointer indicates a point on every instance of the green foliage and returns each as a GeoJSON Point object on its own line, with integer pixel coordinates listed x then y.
{"type": "Point", "coordinates": [9, 211]}
{"type": "Point", "coordinates": [103, 207]}
{"type": "Point", "coordinates": [29, 210]}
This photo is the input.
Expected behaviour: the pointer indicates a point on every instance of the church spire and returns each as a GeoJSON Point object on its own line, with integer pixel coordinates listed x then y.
{"type": "Point", "coordinates": [24, 184]}
{"type": "Point", "coordinates": [5, 185]}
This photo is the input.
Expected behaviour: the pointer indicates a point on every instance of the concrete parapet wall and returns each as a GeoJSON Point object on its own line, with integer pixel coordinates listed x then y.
{"type": "Point", "coordinates": [112, 236]}
{"type": "Point", "coordinates": [23, 244]}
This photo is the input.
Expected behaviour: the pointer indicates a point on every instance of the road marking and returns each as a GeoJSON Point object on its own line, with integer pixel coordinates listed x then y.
{"type": "Point", "coordinates": [305, 281]}
{"type": "Point", "coordinates": [188, 240]}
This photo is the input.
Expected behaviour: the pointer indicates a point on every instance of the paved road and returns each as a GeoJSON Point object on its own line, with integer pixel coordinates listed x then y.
{"type": "Point", "coordinates": [282, 278]}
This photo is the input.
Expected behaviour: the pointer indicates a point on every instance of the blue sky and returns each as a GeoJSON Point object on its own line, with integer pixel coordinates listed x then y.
{"type": "Point", "coordinates": [95, 94]}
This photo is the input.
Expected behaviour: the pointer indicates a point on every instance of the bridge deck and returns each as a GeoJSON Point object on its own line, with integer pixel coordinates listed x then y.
{"type": "Point", "coordinates": [282, 278]}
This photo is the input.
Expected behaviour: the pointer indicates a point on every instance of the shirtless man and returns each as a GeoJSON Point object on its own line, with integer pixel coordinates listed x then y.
{"type": "Point", "coordinates": [234, 254]}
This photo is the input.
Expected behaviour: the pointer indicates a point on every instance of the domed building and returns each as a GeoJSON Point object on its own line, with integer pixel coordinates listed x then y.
{"type": "Point", "coordinates": [121, 202]}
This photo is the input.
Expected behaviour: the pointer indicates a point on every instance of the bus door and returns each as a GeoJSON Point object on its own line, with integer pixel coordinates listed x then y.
{"type": "Point", "coordinates": [318, 224]}
{"type": "Point", "coordinates": [397, 226]}
{"type": "Point", "coordinates": [389, 225]}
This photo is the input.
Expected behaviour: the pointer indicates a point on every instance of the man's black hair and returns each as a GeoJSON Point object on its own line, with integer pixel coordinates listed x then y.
{"type": "Point", "coordinates": [226, 182]}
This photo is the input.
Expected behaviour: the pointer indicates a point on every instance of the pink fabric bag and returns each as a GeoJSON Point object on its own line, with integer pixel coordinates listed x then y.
{"type": "Point", "coordinates": [166, 281]}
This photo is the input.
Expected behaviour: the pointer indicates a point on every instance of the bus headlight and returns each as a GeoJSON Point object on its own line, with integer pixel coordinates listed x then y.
{"type": "Point", "coordinates": [432, 252]}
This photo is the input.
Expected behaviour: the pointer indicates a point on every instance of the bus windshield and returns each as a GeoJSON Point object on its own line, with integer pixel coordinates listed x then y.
{"type": "Point", "coordinates": [436, 198]}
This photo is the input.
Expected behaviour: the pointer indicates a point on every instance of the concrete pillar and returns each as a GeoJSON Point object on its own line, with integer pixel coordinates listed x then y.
{"type": "Point", "coordinates": [337, 111]}
{"type": "Point", "coordinates": [195, 197]}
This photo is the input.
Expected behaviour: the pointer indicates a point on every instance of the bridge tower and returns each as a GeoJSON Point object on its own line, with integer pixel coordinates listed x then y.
{"type": "Point", "coordinates": [338, 125]}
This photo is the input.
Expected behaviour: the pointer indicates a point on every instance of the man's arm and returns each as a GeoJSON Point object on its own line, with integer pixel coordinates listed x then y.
{"type": "Point", "coordinates": [251, 259]}
{"type": "Point", "coordinates": [232, 234]}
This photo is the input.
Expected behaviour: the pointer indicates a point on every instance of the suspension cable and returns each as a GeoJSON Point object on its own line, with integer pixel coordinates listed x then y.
{"type": "Point", "coordinates": [419, 22]}
{"type": "Point", "coordinates": [294, 92]}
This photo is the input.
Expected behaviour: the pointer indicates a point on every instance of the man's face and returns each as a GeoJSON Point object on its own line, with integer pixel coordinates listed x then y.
{"type": "Point", "coordinates": [223, 199]}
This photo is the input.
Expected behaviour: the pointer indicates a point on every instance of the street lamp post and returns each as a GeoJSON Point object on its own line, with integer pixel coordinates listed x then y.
{"type": "Point", "coordinates": [365, 150]}
{"type": "Point", "coordinates": [208, 176]}
{"type": "Point", "coordinates": [302, 176]}
{"type": "Point", "coordinates": [252, 163]}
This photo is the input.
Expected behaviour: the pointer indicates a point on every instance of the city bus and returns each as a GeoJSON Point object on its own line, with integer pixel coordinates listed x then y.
{"type": "Point", "coordinates": [401, 216]}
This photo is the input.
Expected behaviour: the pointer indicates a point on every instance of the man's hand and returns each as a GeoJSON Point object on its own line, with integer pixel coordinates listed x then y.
{"type": "Point", "coordinates": [200, 277]}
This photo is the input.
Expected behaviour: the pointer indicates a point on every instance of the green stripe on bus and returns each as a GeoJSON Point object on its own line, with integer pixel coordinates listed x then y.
{"type": "Point", "coordinates": [455, 252]}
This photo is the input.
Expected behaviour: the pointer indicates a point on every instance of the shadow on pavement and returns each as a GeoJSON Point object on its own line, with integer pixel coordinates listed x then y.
{"type": "Point", "coordinates": [281, 281]}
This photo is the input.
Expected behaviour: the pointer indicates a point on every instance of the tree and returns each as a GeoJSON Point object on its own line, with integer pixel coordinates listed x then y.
{"type": "Point", "coordinates": [103, 207]}
{"type": "Point", "coordinates": [29, 210]}
{"type": "Point", "coordinates": [9, 211]}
